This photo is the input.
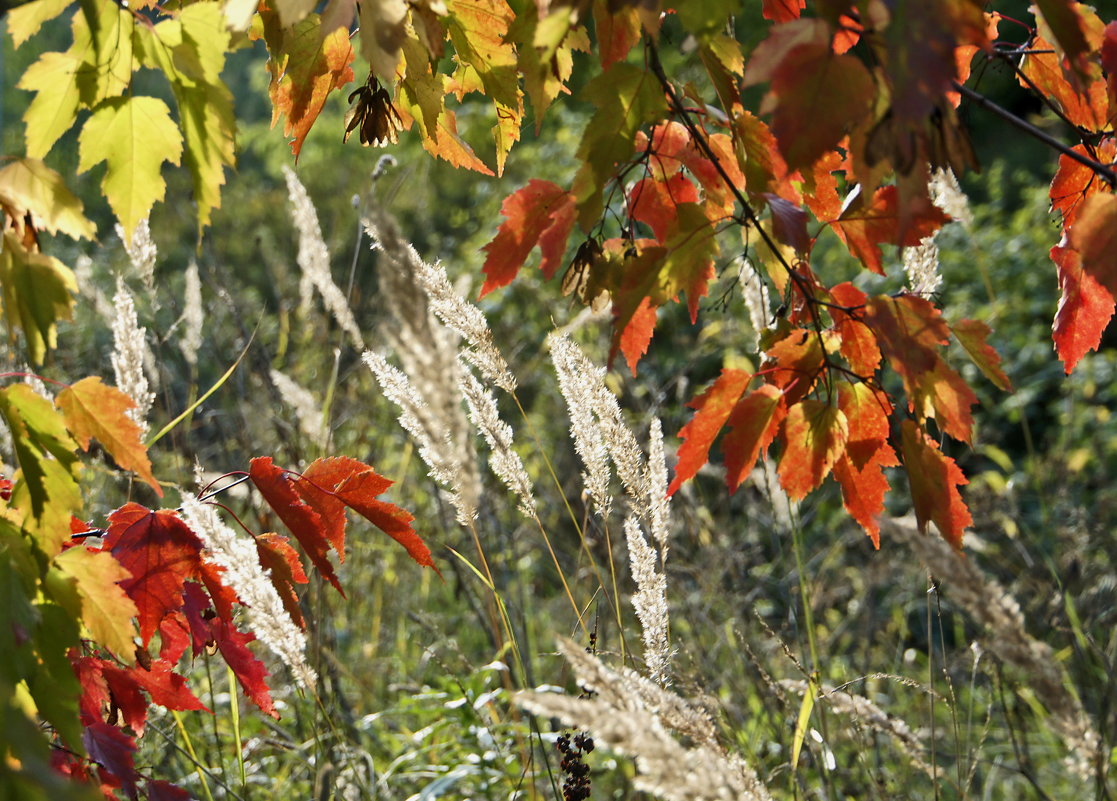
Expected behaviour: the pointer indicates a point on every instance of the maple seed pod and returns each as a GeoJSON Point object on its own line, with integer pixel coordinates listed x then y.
{"type": "Point", "coordinates": [371, 110]}
{"type": "Point", "coordinates": [579, 276]}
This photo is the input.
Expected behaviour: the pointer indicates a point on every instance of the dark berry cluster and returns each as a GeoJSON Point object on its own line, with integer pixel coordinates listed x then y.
{"type": "Point", "coordinates": [576, 785]}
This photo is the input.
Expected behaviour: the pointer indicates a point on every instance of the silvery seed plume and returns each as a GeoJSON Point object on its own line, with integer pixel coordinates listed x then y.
{"type": "Point", "coordinates": [193, 316]}
{"type": "Point", "coordinates": [314, 260]}
{"type": "Point", "coordinates": [427, 351]}
{"type": "Point", "coordinates": [443, 300]}
{"type": "Point", "coordinates": [436, 451]}
{"type": "Point", "coordinates": [142, 252]}
{"type": "Point", "coordinates": [636, 717]}
{"type": "Point", "coordinates": [128, 356]}
{"type": "Point", "coordinates": [243, 573]}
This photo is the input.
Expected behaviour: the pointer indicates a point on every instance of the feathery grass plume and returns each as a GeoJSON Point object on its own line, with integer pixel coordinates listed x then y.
{"type": "Point", "coordinates": [314, 260]}
{"type": "Point", "coordinates": [649, 601]}
{"type": "Point", "coordinates": [451, 308]}
{"type": "Point", "coordinates": [865, 712]}
{"type": "Point", "coordinates": [128, 356]}
{"type": "Point", "coordinates": [948, 195]}
{"type": "Point", "coordinates": [997, 612]}
{"type": "Point", "coordinates": [193, 317]}
{"type": "Point", "coordinates": [754, 292]}
{"type": "Point", "coordinates": [442, 459]}
{"type": "Point", "coordinates": [659, 502]}
{"type": "Point", "coordinates": [577, 380]}
{"type": "Point", "coordinates": [141, 252]}
{"type": "Point", "coordinates": [267, 618]}
{"type": "Point", "coordinates": [504, 461]}
{"type": "Point", "coordinates": [304, 405]}
{"type": "Point", "coordinates": [634, 716]}
{"type": "Point", "coordinates": [599, 431]}
{"type": "Point", "coordinates": [427, 350]}
{"type": "Point", "coordinates": [921, 263]}
{"type": "Point", "coordinates": [596, 416]}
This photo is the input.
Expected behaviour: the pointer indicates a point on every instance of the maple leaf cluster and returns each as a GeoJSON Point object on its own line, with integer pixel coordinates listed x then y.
{"type": "Point", "coordinates": [860, 112]}
{"type": "Point", "coordinates": [151, 571]}
{"type": "Point", "coordinates": [178, 593]}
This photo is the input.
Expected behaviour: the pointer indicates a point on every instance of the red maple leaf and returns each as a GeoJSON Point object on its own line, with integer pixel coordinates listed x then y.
{"type": "Point", "coordinates": [249, 670]}
{"type": "Point", "coordinates": [1085, 308]}
{"type": "Point", "coordinates": [284, 570]}
{"type": "Point", "coordinates": [126, 696]}
{"type": "Point", "coordinates": [795, 363]}
{"type": "Point", "coordinates": [166, 688]}
{"type": "Point", "coordinates": [858, 342]}
{"type": "Point", "coordinates": [1094, 236]}
{"type": "Point", "coordinates": [160, 790]}
{"type": "Point", "coordinates": [161, 552]}
{"type": "Point", "coordinates": [174, 635]}
{"type": "Point", "coordinates": [817, 94]}
{"type": "Point", "coordinates": [1074, 181]}
{"type": "Point", "coordinates": [541, 213]}
{"type": "Point", "coordinates": [355, 484]}
{"type": "Point", "coordinates": [865, 228]}
{"type": "Point", "coordinates": [712, 408]}
{"type": "Point", "coordinates": [783, 10]}
{"type": "Point", "coordinates": [814, 436]}
{"type": "Point", "coordinates": [864, 488]}
{"type": "Point", "coordinates": [753, 424]}
{"type": "Point", "coordinates": [113, 751]}
{"type": "Point", "coordinates": [934, 479]}
{"type": "Point", "coordinates": [302, 520]}
{"type": "Point", "coordinates": [655, 202]}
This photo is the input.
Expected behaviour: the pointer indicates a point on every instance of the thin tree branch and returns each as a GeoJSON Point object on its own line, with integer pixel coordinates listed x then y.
{"type": "Point", "coordinates": [1104, 172]}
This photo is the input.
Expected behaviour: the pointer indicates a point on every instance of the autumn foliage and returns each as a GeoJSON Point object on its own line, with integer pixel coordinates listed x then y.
{"type": "Point", "coordinates": [857, 125]}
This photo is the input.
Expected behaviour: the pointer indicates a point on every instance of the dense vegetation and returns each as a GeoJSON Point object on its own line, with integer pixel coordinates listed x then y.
{"type": "Point", "coordinates": [523, 614]}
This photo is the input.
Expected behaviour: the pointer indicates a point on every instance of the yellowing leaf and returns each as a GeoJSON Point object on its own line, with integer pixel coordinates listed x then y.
{"type": "Point", "coordinates": [93, 409]}
{"type": "Point", "coordinates": [478, 29]}
{"type": "Point", "coordinates": [24, 21]}
{"type": "Point", "coordinates": [105, 608]}
{"type": "Point", "coordinates": [383, 29]}
{"type": "Point", "coordinates": [103, 41]}
{"type": "Point", "coordinates": [972, 334]}
{"type": "Point", "coordinates": [134, 136]}
{"type": "Point", "coordinates": [305, 68]}
{"type": "Point", "coordinates": [55, 105]}
{"type": "Point", "coordinates": [32, 186]}
{"type": "Point", "coordinates": [35, 289]}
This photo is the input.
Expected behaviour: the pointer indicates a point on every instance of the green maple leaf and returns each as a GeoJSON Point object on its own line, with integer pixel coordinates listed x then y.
{"type": "Point", "coordinates": [24, 21]}
{"type": "Point", "coordinates": [626, 97]}
{"type": "Point", "coordinates": [35, 289]}
{"type": "Point", "coordinates": [134, 136]}
{"type": "Point", "coordinates": [103, 42]}
{"type": "Point", "coordinates": [31, 186]}
{"type": "Point", "coordinates": [190, 50]}
{"type": "Point", "coordinates": [55, 105]}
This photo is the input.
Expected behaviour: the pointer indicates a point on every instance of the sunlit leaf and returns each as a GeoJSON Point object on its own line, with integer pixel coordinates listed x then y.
{"type": "Point", "coordinates": [133, 135]}
{"type": "Point", "coordinates": [93, 409]}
